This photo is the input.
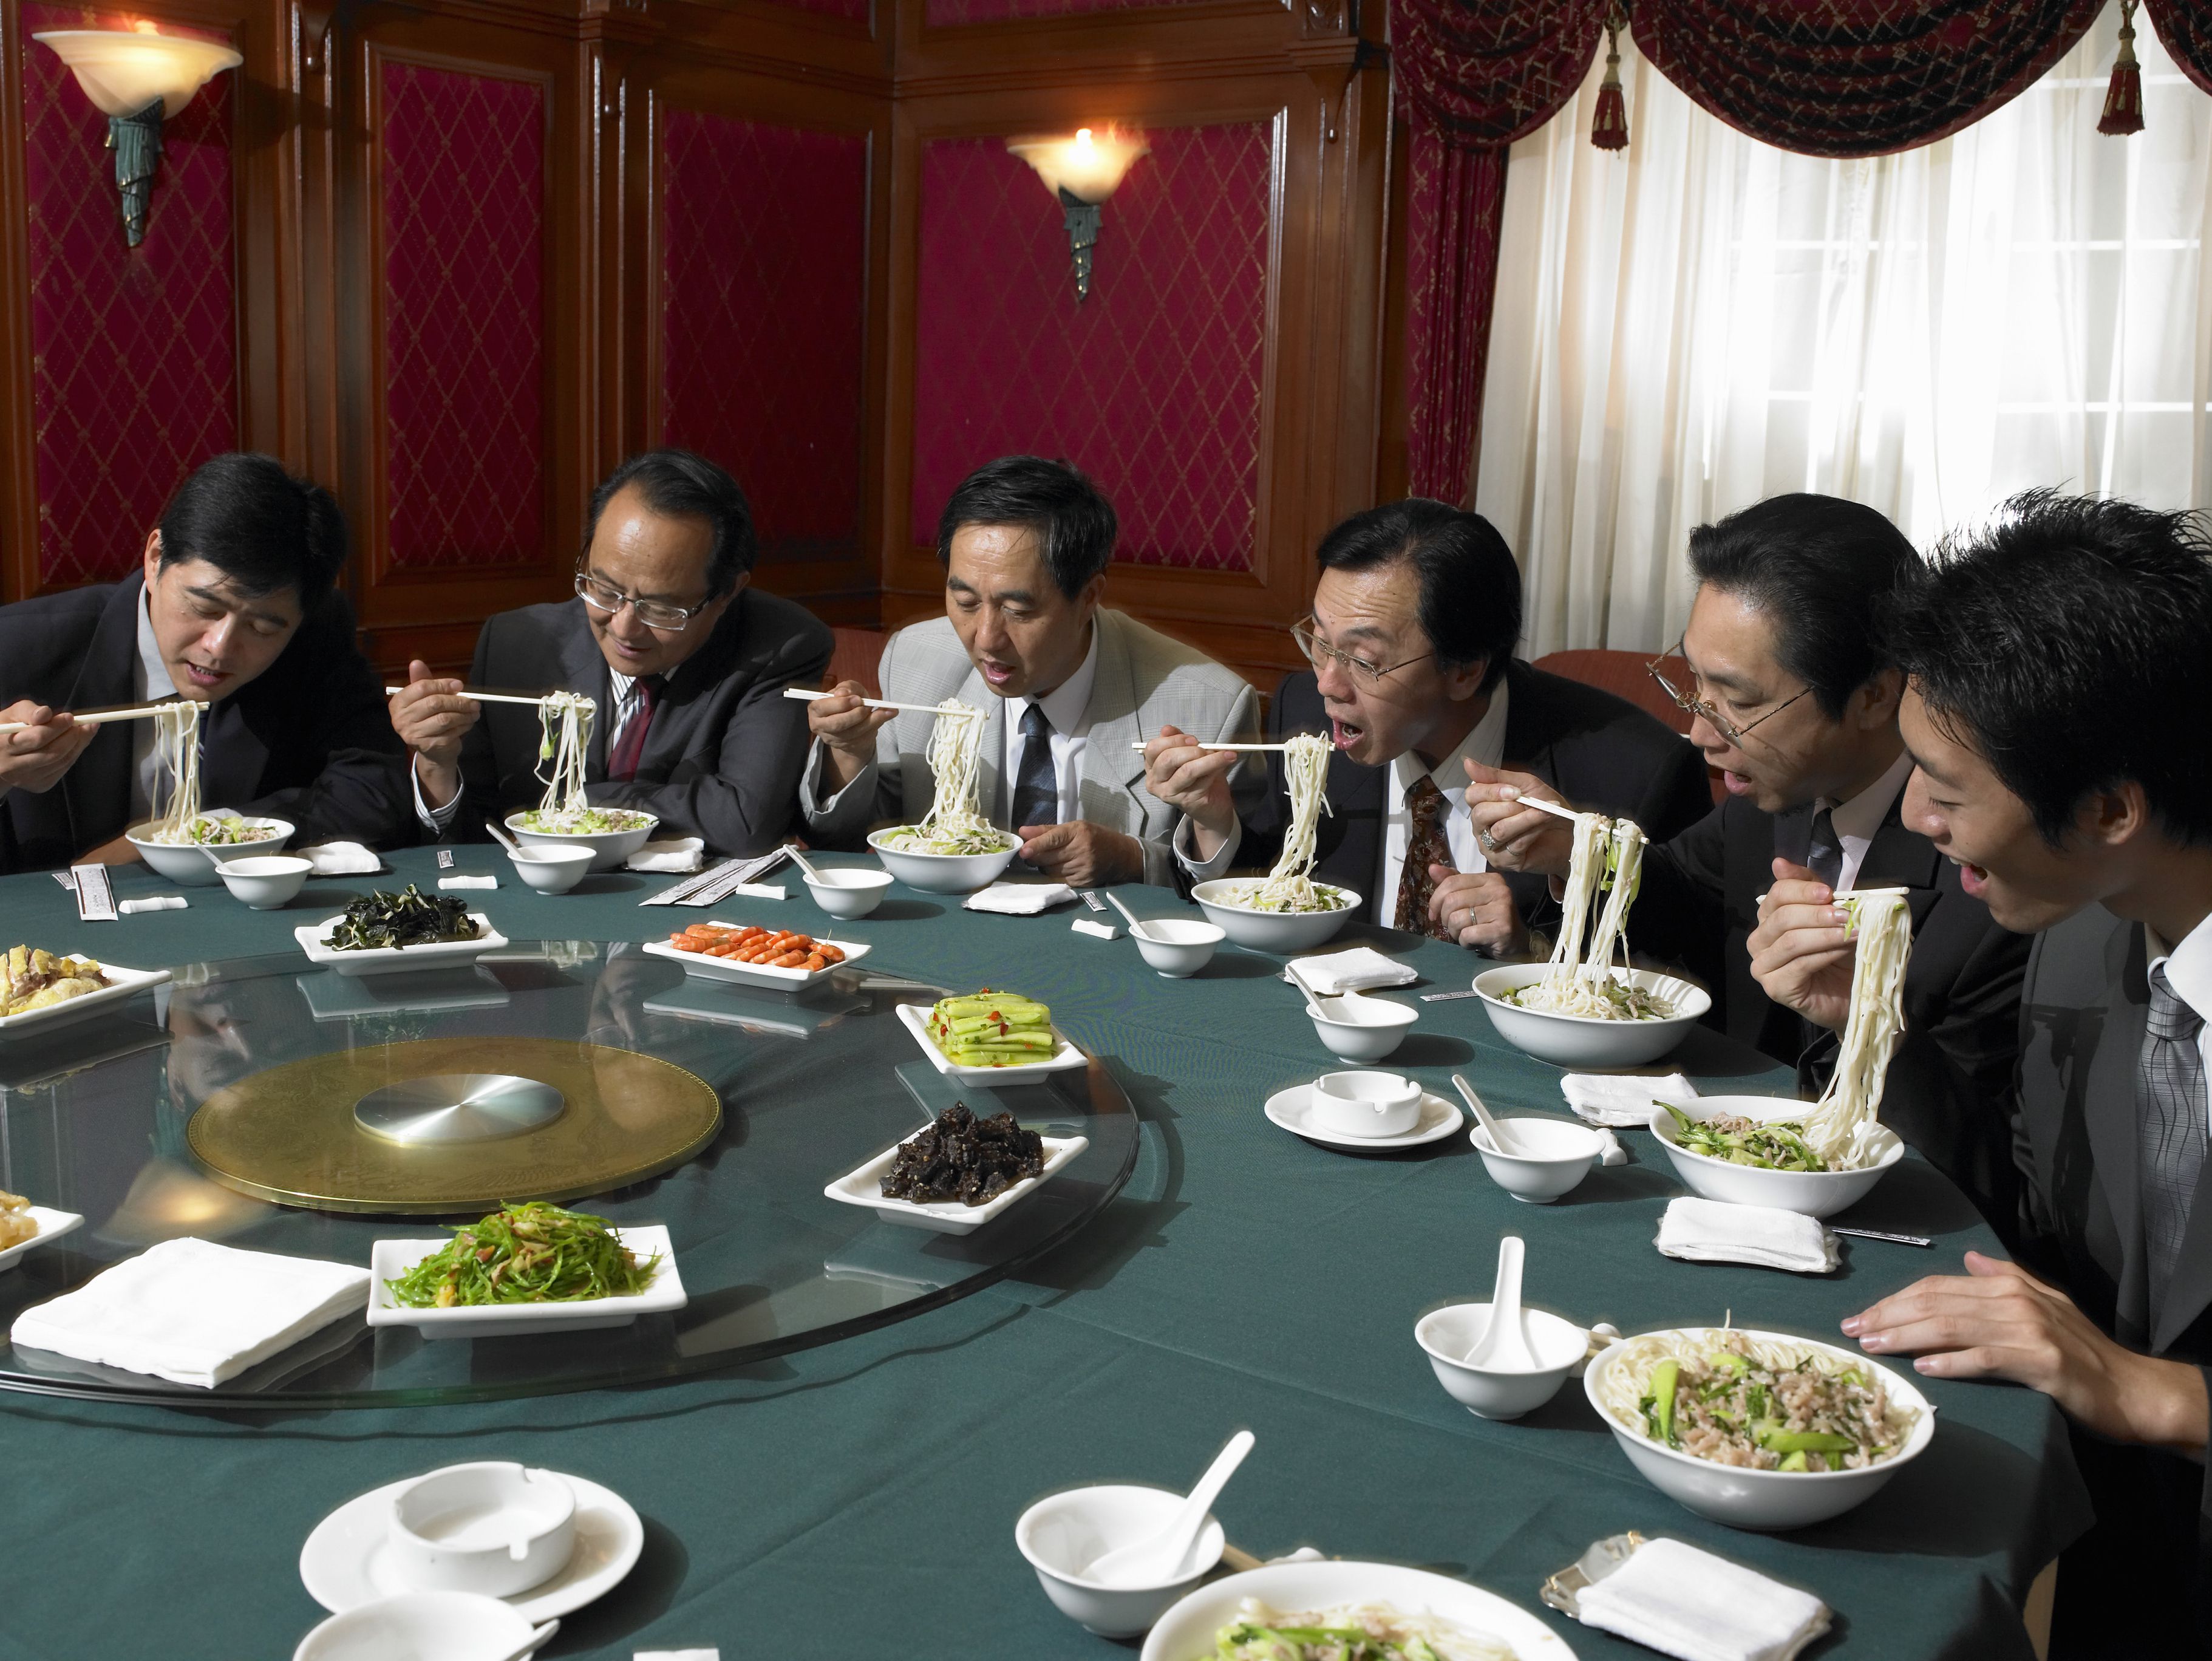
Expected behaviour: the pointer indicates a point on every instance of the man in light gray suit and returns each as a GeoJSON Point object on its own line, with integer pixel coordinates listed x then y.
{"type": "Point", "coordinates": [1068, 688]}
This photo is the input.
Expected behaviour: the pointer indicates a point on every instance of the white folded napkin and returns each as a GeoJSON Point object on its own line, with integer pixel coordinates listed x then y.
{"type": "Point", "coordinates": [1709, 1231]}
{"type": "Point", "coordinates": [340, 859]}
{"type": "Point", "coordinates": [677, 853]}
{"type": "Point", "coordinates": [454, 883]}
{"type": "Point", "coordinates": [192, 1311]}
{"type": "Point", "coordinates": [1684, 1602]}
{"type": "Point", "coordinates": [159, 902]}
{"type": "Point", "coordinates": [1020, 899]}
{"type": "Point", "coordinates": [1355, 970]}
{"type": "Point", "coordinates": [1623, 1099]}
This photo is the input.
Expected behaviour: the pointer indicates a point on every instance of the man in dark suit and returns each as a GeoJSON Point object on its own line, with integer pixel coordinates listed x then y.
{"type": "Point", "coordinates": [236, 608]}
{"type": "Point", "coordinates": [1412, 635]}
{"type": "Point", "coordinates": [2060, 667]}
{"type": "Point", "coordinates": [1797, 705]}
{"type": "Point", "coordinates": [686, 662]}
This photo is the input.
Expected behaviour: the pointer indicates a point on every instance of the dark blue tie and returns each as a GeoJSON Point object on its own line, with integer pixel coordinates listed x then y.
{"type": "Point", "coordinates": [1824, 857]}
{"type": "Point", "coordinates": [1036, 790]}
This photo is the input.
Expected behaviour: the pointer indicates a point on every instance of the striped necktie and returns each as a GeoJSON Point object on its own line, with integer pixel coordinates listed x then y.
{"type": "Point", "coordinates": [2170, 1128]}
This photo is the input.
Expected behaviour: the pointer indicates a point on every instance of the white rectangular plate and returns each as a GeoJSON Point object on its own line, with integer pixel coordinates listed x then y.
{"type": "Point", "coordinates": [314, 938]}
{"type": "Point", "coordinates": [390, 1259]}
{"type": "Point", "coordinates": [914, 1017]}
{"type": "Point", "coordinates": [129, 984]}
{"type": "Point", "coordinates": [750, 974]}
{"type": "Point", "coordinates": [864, 1187]}
{"type": "Point", "coordinates": [53, 1224]}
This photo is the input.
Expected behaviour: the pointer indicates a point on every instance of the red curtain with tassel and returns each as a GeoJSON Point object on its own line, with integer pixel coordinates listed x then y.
{"type": "Point", "coordinates": [2183, 27]}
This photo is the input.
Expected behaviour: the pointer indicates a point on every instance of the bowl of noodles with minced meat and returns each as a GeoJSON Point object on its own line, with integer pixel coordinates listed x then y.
{"type": "Point", "coordinates": [1758, 1430]}
{"type": "Point", "coordinates": [1268, 922]}
{"type": "Point", "coordinates": [1622, 1018]}
{"type": "Point", "coordinates": [181, 852]}
{"type": "Point", "coordinates": [1754, 1150]}
{"type": "Point", "coordinates": [945, 861]}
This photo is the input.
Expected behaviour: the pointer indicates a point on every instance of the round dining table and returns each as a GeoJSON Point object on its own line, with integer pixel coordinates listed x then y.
{"type": "Point", "coordinates": [828, 1448]}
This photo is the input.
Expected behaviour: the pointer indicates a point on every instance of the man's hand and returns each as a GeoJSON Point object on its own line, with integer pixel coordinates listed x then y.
{"type": "Point", "coordinates": [1802, 949]}
{"type": "Point", "coordinates": [1513, 837]}
{"type": "Point", "coordinates": [35, 758]}
{"type": "Point", "coordinates": [1083, 855]}
{"type": "Point", "coordinates": [1476, 908]}
{"type": "Point", "coordinates": [2000, 1322]}
{"type": "Point", "coordinates": [1194, 781]}
{"type": "Point", "coordinates": [848, 729]}
{"type": "Point", "coordinates": [432, 718]}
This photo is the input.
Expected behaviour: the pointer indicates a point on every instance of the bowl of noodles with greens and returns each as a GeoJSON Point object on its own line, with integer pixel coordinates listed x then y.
{"type": "Point", "coordinates": [1623, 1018]}
{"type": "Point", "coordinates": [565, 817]}
{"type": "Point", "coordinates": [944, 862]}
{"type": "Point", "coordinates": [1252, 916]}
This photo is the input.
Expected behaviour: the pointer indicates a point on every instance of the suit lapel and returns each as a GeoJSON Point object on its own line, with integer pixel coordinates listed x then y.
{"type": "Point", "coordinates": [97, 790]}
{"type": "Point", "coordinates": [2109, 1096]}
{"type": "Point", "coordinates": [1897, 857]}
{"type": "Point", "coordinates": [1112, 770]}
{"type": "Point", "coordinates": [232, 756]}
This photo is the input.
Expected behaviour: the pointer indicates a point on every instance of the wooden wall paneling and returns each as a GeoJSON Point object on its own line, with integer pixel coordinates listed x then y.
{"type": "Point", "coordinates": [19, 494]}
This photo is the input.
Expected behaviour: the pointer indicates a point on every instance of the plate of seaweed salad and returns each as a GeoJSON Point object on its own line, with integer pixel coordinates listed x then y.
{"type": "Point", "coordinates": [957, 1172]}
{"type": "Point", "coordinates": [408, 930]}
{"type": "Point", "coordinates": [529, 1268]}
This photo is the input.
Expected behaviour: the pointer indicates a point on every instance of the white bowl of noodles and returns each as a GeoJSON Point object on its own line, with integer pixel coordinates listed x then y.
{"type": "Point", "coordinates": [188, 861]}
{"type": "Point", "coordinates": [1745, 1496]}
{"type": "Point", "coordinates": [1813, 1193]}
{"type": "Point", "coordinates": [613, 834]}
{"type": "Point", "coordinates": [1227, 901]}
{"type": "Point", "coordinates": [1590, 1041]}
{"type": "Point", "coordinates": [941, 873]}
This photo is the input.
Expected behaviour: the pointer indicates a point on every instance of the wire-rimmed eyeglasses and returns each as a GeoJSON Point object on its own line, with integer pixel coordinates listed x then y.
{"type": "Point", "coordinates": [661, 614]}
{"type": "Point", "coordinates": [1320, 652]}
{"type": "Point", "coordinates": [1704, 709]}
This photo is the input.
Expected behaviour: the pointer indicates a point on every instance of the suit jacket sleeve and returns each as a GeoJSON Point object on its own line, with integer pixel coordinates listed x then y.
{"type": "Point", "coordinates": [479, 762]}
{"type": "Point", "coordinates": [875, 795]}
{"type": "Point", "coordinates": [1239, 725]}
{"type": "Point", "coordinates": [1680, 911]}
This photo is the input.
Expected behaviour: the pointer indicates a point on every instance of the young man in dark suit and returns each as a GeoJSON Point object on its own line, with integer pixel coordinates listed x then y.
{"type": "Point", "coordinates": [1414, 681]}
{"type": "Point", "coordinates": [685, 660]}
{"type": "Point", "coordinates": [235, 608]}
{"type": "Point", "coordinates": [2060, 689]}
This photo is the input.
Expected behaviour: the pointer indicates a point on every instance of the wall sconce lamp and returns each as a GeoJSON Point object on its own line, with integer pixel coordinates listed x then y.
{"type": "Point", "coordinates": [1081, 172]}
{"type": "Point", "coordinates": [137, 78]}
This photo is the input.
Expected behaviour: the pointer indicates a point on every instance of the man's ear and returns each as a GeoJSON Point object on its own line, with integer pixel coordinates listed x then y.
{"type": "Point", "coordinates": [1875, 704]}
{"type": "Point", "coordinates": [153, 561]}
{"type": "Point", "coordinates": [2114, 817]}
{"type": "Point", "coordinates": [1462, 681]}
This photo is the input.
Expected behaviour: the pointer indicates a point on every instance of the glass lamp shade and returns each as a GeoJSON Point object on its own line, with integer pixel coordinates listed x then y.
{"type": "Point", "coordinates": [123, 70]}
{"type": "Point", "coordinates": [1088, 166]}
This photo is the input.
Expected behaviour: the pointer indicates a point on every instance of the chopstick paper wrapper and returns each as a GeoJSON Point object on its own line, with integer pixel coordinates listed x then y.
{"type": "Point", "coordinates": [1683, 1602]}
{"type": "Point", "coordinates": [1709, 1232]}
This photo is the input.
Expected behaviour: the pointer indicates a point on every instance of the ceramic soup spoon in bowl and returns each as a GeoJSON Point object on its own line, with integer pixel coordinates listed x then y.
{"type": "Point", "coordinates": [1504, 1346]}
{"type": "Point", "coordinates": [1158, 1559]}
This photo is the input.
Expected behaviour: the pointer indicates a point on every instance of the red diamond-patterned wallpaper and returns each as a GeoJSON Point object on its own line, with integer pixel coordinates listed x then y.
{"type": "Point", "coordinates": [1151, 385]}
{"type": "Point", "coordinates": [764, 285]}
{"type": "Point", "coordinates": [464, 182]}
{"type": "Point", "coordinates": [943, 14]}
{"type": "Point", "coordinates": [134, 361]}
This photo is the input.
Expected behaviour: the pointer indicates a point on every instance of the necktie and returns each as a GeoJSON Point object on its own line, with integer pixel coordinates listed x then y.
{"type": "Point", "coordinates": [629, 743]}
{"type": "Point", "coordinates": [2170, 1128]}
{"type": "Point", "coordinates": [1425, 845]}
{"type": "Point", "coordinates": [1824, 857]}
{"type": "Point", "coordinates": [1036, 791]}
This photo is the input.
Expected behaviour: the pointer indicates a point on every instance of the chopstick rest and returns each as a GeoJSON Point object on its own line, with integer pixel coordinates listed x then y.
{"type": "Point", "coordinates": [1623, 1101]}
{"type": "Point", "coordinates": [1104, 931]}
{"type": "Point", "coordinates": [159, 902]}
{"type": "Point", "coordinates": [1683, 1602]}
{"type": "Point", "coordinates": [1709, 1231]}
{"type": "Point", "coordinates": [451, 883]}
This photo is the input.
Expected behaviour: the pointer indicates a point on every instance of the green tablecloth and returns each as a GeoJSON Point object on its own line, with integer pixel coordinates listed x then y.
{"type": "Point", "coordinates": [860, 1500]}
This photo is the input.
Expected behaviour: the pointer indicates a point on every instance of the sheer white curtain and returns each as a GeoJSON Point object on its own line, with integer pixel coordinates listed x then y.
{"type": "Point", "coordinates": [1705, 320]}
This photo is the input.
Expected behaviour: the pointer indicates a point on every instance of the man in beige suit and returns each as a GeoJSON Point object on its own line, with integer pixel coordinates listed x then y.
{"type": "Point", "coordinates": [1068, 690]}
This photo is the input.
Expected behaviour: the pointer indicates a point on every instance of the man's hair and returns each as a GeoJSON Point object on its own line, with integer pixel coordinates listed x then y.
{"type": "Point", "coordinates": [2069, 641]}
{"type": "Point", "coordinates": [263, 528]}
{"type": "Point", "coordinates": [1072, 521]}
{"type": "Point", "coordinates": [678, 484]}
{"type": "Point", "coordinates": [1470, 601]}
{"type": "Point", "coordinates": [1818, 568]}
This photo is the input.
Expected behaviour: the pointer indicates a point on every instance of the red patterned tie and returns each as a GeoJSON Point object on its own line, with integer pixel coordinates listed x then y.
{"type": "Point", "coordinates": [629, 743]}
{"type": "Point", "coordinates": [1425, 845]}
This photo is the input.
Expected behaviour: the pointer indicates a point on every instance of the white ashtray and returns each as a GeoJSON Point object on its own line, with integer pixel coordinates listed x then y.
{"type": "Point", "coordinates": [914, 1017]}
{"type": "Point", "coordinates": [1365, 1105]}
{"type": "Point", "coordinates": [53, 1224]}
{"type": "Point", "coordinates": [864, 1187]}
{"type": "Point", "coordinates": [1292, 1109]}
{"type": "Point", "coordinates": [314, 940]}
{"type": "Point", "coordinates": [702, 967]}
{"type": "Point", "coordinates": [390, 1259]}
{"type": "Point", "coordinates": [491, 1526]}
{"type": "Point", "coordinates": [127, 984]}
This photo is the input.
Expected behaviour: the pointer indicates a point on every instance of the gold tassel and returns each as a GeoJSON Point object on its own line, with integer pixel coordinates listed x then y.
{"type": "Point", "coordinates": [2124, 100]}
{"type": "Point", "coordinates": [1609, 130]}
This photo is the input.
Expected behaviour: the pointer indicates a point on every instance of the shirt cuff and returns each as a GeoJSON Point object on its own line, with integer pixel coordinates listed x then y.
{"type": "Point", "coordinates": [811, 801]}
{"type": "Point", "coordinates": [433, 818]}
{"type": "Point", "coordinates": [1206, 870]}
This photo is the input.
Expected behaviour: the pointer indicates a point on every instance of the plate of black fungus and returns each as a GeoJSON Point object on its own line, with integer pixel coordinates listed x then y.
{"type": "Point", "coordinates": [405, 931]}
{"type": "Point", "coordinates": [957, 1172]}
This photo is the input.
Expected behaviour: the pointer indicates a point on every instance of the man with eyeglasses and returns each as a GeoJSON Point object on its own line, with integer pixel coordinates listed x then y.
{"type": "Point", "coordinates": [1795, 701]}
{"type": "Point", "coordinates": [1414, 619]}
{"type": "Point", "coordinates": [686, 660]}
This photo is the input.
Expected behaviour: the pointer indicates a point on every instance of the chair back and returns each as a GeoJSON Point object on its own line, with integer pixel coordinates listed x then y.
{"type": "Point", "coordinates": [858, 654]}
{"type": "Point", "coordinates": [1624, 675]}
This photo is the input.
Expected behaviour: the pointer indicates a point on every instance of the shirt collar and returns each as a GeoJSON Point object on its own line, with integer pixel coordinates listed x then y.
{"type": "Point", "coordinates": [154, 681]}
{"type": "Point", "coordinates": [1484, 745]}
{"type": "Point", "coordinates": [2188, 965]}
{"type": "Point", "coordinates": [1862, 815]}
{"type": "Point", "coordinates": [1067, 704]}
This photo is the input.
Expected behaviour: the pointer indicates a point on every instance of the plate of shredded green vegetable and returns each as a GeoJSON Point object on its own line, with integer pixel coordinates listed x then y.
{"type": "Point", "coordinates": [534, 1267]}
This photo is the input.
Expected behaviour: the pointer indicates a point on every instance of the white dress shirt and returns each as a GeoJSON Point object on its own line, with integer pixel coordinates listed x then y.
{"type": "Point", "coordinates": [627, 705]}
{"type": "Point", "coordinates": [2189, 972]}
{"type": "Point", "coordinates": [1068, 707]}
{"type": "Point", "coordinates": [150, 681]}
{"type": "Point", "coordinates": [1484, 745]}
{"type": "Point", "coordinates": [1856, 821]}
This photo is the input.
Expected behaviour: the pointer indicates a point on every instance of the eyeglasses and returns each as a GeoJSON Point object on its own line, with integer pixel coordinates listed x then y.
{"type": "Point", "coordinates": [1704, 709]}
{"type": "Point", "coordinates": [652, 613]}
{"type": "Point", "coordinates": [1321, 654]}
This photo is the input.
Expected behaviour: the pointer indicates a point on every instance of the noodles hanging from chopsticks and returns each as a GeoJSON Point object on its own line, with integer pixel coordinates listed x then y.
{"type": "Point", "coordinates": [1607, 859]}
{"type": "Point", "coordinates": [955, 823]}
{"type": "Point", "coordinates": [1841, 1123]}
{"type": "Point", "coordinates": [564, 738]}
{"type": "Point", "coordinates": [1289, 885]}
{"type": "Point", "coordinates": [177, 759]}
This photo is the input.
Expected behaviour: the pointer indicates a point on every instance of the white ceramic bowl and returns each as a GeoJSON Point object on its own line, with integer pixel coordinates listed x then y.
{"type": "Point", "coordinates": [1584, 1041]}
{"type": "Point", "coordinates": [265, 881]}
{"type": "Point", "coordinates": [551, 870]}
{"type": "Point", "coordinates": [1381, 1028]}
{"type": "Point", "coordinates": [843, 892]}
{"type": "Point", "coordinates": [1185, 1632]}
{"type": "Point", "coordinates": [1551, 1157]}
{"type": "Point", "coordinates": [942, 873]}
{"type": "Point", "coordinates": [423, 1626]}
{"type": "Point", "coordinates": [1064, 1534]}
{"type": "Point", "coordinates": [1446, 1335]}
{"type": "Point", "coordinates": [1815, 1193]}
{"type": "Point", "coordinates": [1364, 1103]}
{"type": "Point", "coordinates": [187, 863]}
{"type": "Point", "coordinates": [1746, 1499]}
{"type": "Point", "coordinates": [608, 847]}
{"type": "Point", "coordinates": [1271, 931]}
{"type": "Point", "coordinates": [1178, 947]}
{"type": "Point", "coordinates": [491, 1527]}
